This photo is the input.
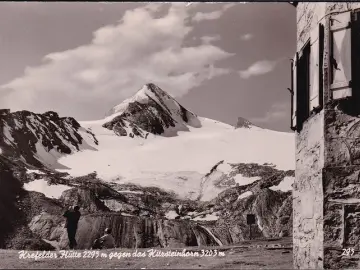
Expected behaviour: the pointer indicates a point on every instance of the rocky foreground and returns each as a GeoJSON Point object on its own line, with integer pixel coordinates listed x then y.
{"type": "Point", "coordinates": [139, 216]}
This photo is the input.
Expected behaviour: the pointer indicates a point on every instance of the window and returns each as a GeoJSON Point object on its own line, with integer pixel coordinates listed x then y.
{"type": "Point", "coordinates": [340, 56]}
{"type": "Point", "coordinates": [344, 60]}
{"type": "Point", "coordinates": [303, 86]}
{"type": "Point", "coordinates": [355, 56]}
{"type": "Point", "coordinates": [307, 79]}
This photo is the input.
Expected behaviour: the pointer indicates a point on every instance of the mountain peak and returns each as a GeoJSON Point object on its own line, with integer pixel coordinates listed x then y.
{"type": "Point", "coordinates": [243, 123]}
{"type": "Point", "coordinates": [143, 95]}
{"type": "Point", "coordinates": [149, 88]}
{"type": "Point", "coordinates": [152, 110]}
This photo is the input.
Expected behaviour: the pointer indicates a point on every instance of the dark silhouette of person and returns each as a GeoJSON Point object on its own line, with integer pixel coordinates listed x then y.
{"type": "Point", "coordinates": [72, 218]}
{"type": "Point", "coordinates": [104, 242]}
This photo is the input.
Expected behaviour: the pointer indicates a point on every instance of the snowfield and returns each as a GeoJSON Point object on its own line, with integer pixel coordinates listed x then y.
{"type": "Point", "coordinates": [50, 191]}
{"type": "Point", "coordinates": [285, 185]}
{"type": "Point", "coordinates": [180, 160]}
{"type": "Point", "coordinates": [178, 163]}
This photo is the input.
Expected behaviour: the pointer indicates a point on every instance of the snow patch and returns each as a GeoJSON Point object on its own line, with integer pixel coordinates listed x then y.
{"type": "Point", "coordinates": [208, 217]}
{"type": "Point", "coordinates": [217, 240]}
{"type": "Point", "coordinates": [49, 158]}
{"type": "Point", "coordinates": [113, 205]}
{"type": "Point", "coordinates": [127, 215]}
{"type": "Point", "coordinates": [243, 181]}
{"type": "Point", "coordinates": [285, 184]}
{"type": "Point", "coordinates": [245, 195]}
{"type": "Point", "coordinates": [171, 214]}
{"type": "Point", "coordinates": [50, 191]}
{"type": "Point", "coordinates": [18, 124]}
{"type": "Point", "coordinates": [7, 134]}
{"type": "Point", "coordinates": [131, 191]}
{"type": "Point", "coordinates": [34, 171]}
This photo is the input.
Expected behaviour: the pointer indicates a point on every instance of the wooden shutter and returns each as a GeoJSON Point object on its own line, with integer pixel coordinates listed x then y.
{"type": "Point", "coordinates": [314, 66]}
{"type": "Point", "coordinates": [340, 55]}
{"type": "Point", "coordinates": [294, 91]}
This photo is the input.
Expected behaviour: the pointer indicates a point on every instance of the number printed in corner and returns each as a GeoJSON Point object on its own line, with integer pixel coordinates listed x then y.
{"type": "Point", "coordinates": [348, 252]}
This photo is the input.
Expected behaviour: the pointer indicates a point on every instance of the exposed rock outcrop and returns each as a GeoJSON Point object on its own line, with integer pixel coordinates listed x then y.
{"type": "Point", "coordinates": [37, 139]}
{"type": "Point", "coordinates": [153, 111]}
{"type": "Point", "coordinates": [130, 232]}
{"type": "Point", "coordinates": [243, 123]}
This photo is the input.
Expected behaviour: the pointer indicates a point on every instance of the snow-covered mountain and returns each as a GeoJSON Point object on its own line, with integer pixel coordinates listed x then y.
{"type": "Point", "coordinates": [164, 144]}
{"type": "Point", "coordinates": [41, 139]}
{"type": "Point", "coordinates": [179, 149]}
{"type": "Point", "coordinates": [150, 110]}
{"type": "Point", "coordinates": [151, 157]}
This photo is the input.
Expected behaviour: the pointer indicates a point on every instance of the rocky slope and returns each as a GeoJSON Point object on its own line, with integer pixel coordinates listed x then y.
{"type": "Point", "coordinates": [40, 139]}
{"type": "Point", "coordinates": [150, 110]}
{"type": "Point", "coordinates": [243, 123]}
{"type": "Point", "coordinates": [145, 217]}
{"type": "Point", "coordinates": [153, 171]}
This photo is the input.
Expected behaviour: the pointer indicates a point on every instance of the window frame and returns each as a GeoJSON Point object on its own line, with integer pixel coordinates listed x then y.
{"type": "Point", "coordinates": [303, 85]}
{"type": "Point", "coordinates": [303, 78]}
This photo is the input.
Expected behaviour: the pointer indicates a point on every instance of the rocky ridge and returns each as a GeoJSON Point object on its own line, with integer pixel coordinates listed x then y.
{"type": "Point", "coordinates": [153, 111]}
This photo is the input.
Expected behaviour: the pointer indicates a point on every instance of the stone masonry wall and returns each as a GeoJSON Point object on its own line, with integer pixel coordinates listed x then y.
{"type": "Point", "coordinates": [341, 174]}
{"type": "Point", "coordinates": [308, 191]}
{"type": "Point", "coordinates": [332, 140]}
{"type": "Point", "coordinates": [308, 196]}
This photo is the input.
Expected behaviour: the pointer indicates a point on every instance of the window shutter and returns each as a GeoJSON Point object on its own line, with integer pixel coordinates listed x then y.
{"type": "Point", "coordinates": [294, 90]}
{"type": "Point", "coordinates": [340, 55]}
{"type": "Point", "coordinates": [315, 67]}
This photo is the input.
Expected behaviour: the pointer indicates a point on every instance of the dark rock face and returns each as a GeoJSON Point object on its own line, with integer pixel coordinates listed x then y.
{"type": "Point", "coordinates": [119, 130]}
{"type": "Point", "coordinates": [22, 132]}
{"type": "Point", "coordinates": [243, 123]}
{"type": "Point", "coordinates": [16, 209]}
{"type": "Point", "coordinates": [86, 199]}
{"type": "Point", "coordinates": [128, 232]}
{"type": "Point", "coordinates": [136, 232]}
{"type": "Point", "coordinates": [273, 209]}
{"type": "Point", "coordinates": [10, 193]}
{"type": "Point", "coordinates": [152, 115]}
{"type": "Point", "coordinates": [266, 205]}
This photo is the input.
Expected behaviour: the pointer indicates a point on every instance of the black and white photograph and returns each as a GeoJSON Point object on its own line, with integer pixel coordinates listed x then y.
{"type": "Point", "coordinates": [180, 135]}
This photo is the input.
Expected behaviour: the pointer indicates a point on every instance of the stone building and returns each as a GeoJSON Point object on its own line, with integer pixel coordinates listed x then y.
{"type": "Point", "coordinates": [326, 119]}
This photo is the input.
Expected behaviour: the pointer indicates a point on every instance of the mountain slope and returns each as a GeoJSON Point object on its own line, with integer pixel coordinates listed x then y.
{"type": "Point", "coordinates": [150, 110]}
{"type": "Point", "coordinates": [41, 139]}
{"type": "Point", "coordinates": [152, 164]}
{"type": "Point", "coordinates": [164, 145]}
{"type": "Point", "coordinates": [178, 163]}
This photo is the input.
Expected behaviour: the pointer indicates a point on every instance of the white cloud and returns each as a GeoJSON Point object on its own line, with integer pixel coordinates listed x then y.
{"type": "Point", "coordinates": [210, 39]}
{"type": "Point", "coordinates": [83, 82]}
{"type": "Point", "coordinates": [258, 68]}
{"type": "Point", "coordinates": [202, 16]}
{"type": "Point", "coordinates": [277, 112]}
{"type": "Point", "coordinates": [247, 37]}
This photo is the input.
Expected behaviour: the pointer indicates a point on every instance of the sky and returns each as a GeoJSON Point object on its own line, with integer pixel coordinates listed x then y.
{"type": "Point", "coordinates": [221, 61]}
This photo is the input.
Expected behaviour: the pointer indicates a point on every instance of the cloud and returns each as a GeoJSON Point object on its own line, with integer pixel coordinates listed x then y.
{"type": "Point", "coordinates": [202, 16]}
{"type": "Point", "coordinates": [210, 39]}
{"type": "Point", "coordinates": [258, 68]}
{"type": "Point", "coordinates": [277, 112]}
{"type": "Point", "coordinates": [247, 37]}
{"type": "Point", "coordinates": [83, 82]}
